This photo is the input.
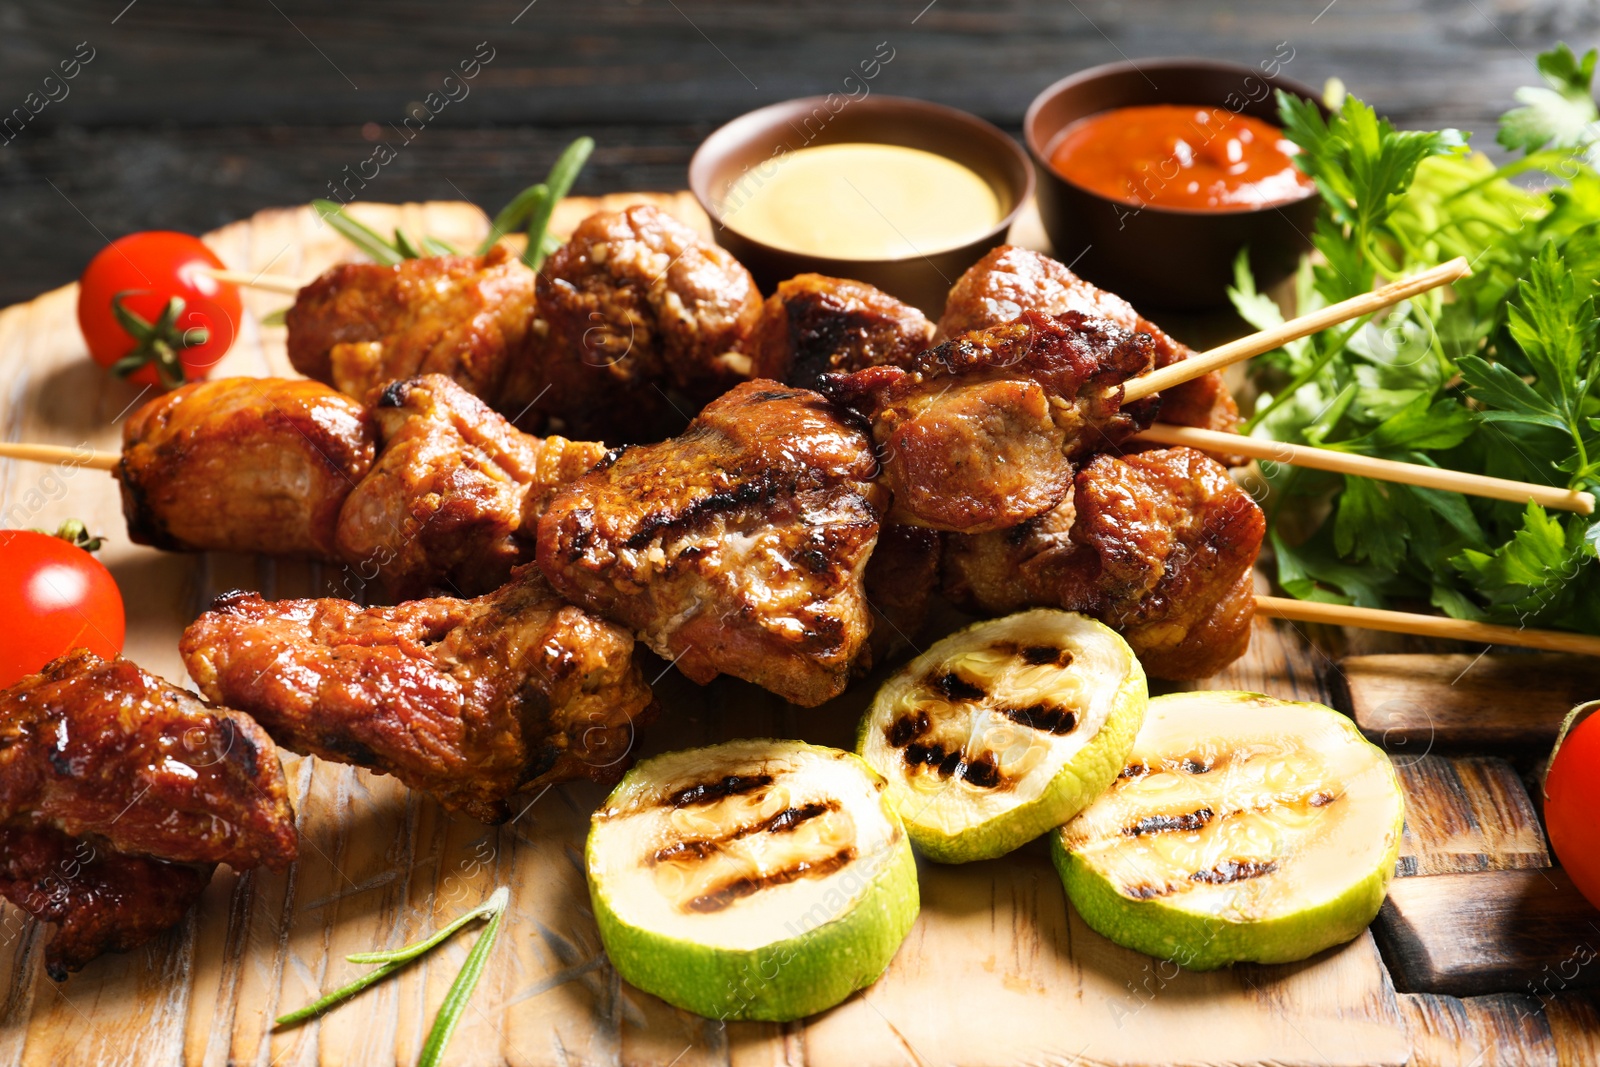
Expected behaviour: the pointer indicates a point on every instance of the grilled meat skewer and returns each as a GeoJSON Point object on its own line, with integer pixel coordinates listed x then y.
{"type": "Point", "coordinates": [454, 498]}
{"type": "Point", "coordinates": [1010, 280]}
{"type": "Point", "coordinates": [634, 305]}
{"type": "Point", "coordinates": [637, 304]}
{"type": "Point", "coordinates": [981, 432]}
{"type": "Point", "coordinates": [471, 701]}
{"type": "Point", "coordinates": [814, 325]}
{"type": "Point", "coordinates": [244, 465]}
{"type": "Point", "coordinates": [427, 488]}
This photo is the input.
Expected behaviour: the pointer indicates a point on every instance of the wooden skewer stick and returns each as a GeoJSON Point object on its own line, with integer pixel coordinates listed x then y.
{"type": "Point", "coordinates": [1208, 440]}
{"type": "Point", "coordinates": [274, 283]}
{"type": "Point", "coordinates": [1383, 470]}
{"type": "Point", "coordinates": [1296, 328]}
{"type": "Point", "coordinates": [1271, 607]}
{"type": "Point", "coordinates": [1406, 622]}
{"type": "Point", "coordinates": [60, 454]}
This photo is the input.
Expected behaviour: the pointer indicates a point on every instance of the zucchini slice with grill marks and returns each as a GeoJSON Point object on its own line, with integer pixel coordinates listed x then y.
{"type": "Point", "coordinates": [1242, 828]}
{"type": "Point", "coordinates": [755, 879]}
{"type": "Point", "coordinates": [1004, 730]}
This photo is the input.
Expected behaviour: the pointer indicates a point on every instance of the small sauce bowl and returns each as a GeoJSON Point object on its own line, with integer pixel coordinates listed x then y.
{"type": "Point", "coordinates": [923, 280]}
{"type": "Point", "coordinates": [1164, 257]}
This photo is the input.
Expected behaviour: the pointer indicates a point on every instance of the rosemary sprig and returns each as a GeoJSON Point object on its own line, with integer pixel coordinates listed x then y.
{"type": "Point", "coordinates": [393, 960]}
{"type": "Point", "coordinates": [549, 193]}
{"type": "Point", "coordinates": [435, 247]}
{"type": "Point", "coordinates": [365, 238]}
{"type": "Point", "coordinates": [404, 245]}
{"type": "Point", "coordinates": [455, 1001]}
{"type": "Point", "coordinates": [511, 217]}
{"type": "Point", "coordinates": [343, 993]}
{"type": "Point", "coordinates": [493, 906]}
{"type": "Point", "coordinates": [530, 208]}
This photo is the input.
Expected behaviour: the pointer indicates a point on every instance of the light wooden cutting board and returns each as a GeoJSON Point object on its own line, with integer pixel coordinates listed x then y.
{"type": "Point", "coordinates": [998, 970]}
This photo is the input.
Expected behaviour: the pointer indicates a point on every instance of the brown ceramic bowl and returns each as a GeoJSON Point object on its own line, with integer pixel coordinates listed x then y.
{"type": "Point", "coordinates": [924, 281]}
{"type": "Point", "coordinates": [1158, 256]}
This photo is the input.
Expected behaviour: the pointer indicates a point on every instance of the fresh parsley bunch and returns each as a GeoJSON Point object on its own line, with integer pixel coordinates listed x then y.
{"type": "Point", "coordinates": [1498, 378]}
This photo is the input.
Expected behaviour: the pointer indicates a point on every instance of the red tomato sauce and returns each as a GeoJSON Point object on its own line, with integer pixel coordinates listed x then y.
{"type": "Point", "coordinates": [1180, 156]}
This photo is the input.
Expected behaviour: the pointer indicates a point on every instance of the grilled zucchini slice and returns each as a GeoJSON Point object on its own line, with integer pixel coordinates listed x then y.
{"type": "Point", "coordinates": [1004, 730]}
{"type": "Point", "coordinates": [1242, 828]}
{"type": "Point", "coordinates": [755, 879]}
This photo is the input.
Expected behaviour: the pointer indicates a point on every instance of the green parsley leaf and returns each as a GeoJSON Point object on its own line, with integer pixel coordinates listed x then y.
{"type": "Point", "coordinates": [1531, 576]}
{"type": "Point", "coordinates": [1564, 114]}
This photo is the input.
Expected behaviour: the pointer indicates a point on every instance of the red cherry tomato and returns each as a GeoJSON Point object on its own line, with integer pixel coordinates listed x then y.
{"type": "Point", "coordinates": [54, 597]}
{"type": "Point", "coordinates": [1572, 804]}
{"type": "Point", "coordinates": [146, 273]}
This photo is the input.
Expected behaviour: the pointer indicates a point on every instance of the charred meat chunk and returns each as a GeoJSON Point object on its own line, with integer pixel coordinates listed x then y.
{"type": "Point", "coordinates": [243, 465]}
{"type": "Point", "coordinates": [1160, 545]}
{"type": "Point", "coordinates": [737, 548]}
{"type": "Point", "coordinates": [471, 701]}
{"type": "Point", "coordinates": [362, 325]}
{"type": "Point", "coordinates": [980, 433]}
{"type": "Point", "coordinates": [103, 748]}
{"type": "Point", "coordinates": [1009, 280]}
{"type": "Point", "coordinates": [101, 900]}
{"type": "Point", "coordinates": [638, 305]}
{"type": "Point", "coordinates": [815, 325]}
{"type": "Point", "coordinates": [454, 500]}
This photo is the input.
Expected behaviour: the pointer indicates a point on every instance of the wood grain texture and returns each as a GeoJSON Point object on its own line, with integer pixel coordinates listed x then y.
{"type": "Point", "coordinates": [1468, 813]}
{"type": "Point", "coordinates": [1421, 703]}
{"type": "Point", "coordinates": [998, 969]}
{"type": "Point", "coordinates": [1502, 931]}
{"type": "Point", "coordinates": [1502, 1030]}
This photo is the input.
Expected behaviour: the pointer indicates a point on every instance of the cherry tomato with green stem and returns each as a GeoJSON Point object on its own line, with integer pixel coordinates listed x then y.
{"type": "Point", "coordinates": [150, 312]}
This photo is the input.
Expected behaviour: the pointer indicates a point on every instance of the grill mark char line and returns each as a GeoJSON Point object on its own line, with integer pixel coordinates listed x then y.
{"type": "Point", "coordinates": [1227, 872]}
{"type": "Point", "coordinates": [982, 772]}
{"type": "Point", "coordinates": [738, 888]}
{"type": "Point", "coordinates": [764, 488]}
{"type": "Point", "coordinates": [782, 822]}
{"type": "Point", "coordinates": [709, 792]}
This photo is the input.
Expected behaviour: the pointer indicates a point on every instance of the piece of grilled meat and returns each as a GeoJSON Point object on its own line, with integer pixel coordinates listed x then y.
{"type": "Point", "coordinates": [362, 325]}
{"type": "Point", "coordinates": [471, 701]}
{"type": "Point", "coordinates": [243, 465]}
{"type": "Point", "coordinates": [980, 433]}
{"type": "Point", "coordinates": [814, 325]}
{"type": "Point", "coordinates": [737, 548]}
{"type": "Point", "coordinates": [1161, 545]}
{"type": "Point", "coordinates": [454, 499]}
{"type": "Point", "coordinates": [1009, 280]}
{"type": "Point", "coordinates": [101, 900]}
{"type": "Point", "coordinates": [638, 304]}
{"type": "Point", "coordinates": [119, 793]}
{"type": "Point", "coordinates": [901, 577]}
{"type": "Point", "coordinates": [100, 747]}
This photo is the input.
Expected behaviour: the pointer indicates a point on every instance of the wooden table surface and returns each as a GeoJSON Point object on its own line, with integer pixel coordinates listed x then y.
{"type": "Point", "coordinates": [191, 115]}
{"type": "Point", "coordinates": [1483, 956]}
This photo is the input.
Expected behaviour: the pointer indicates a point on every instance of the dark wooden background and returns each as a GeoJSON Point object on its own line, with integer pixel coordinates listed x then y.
{"type": "Point", "coordinates": [194, 114]}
